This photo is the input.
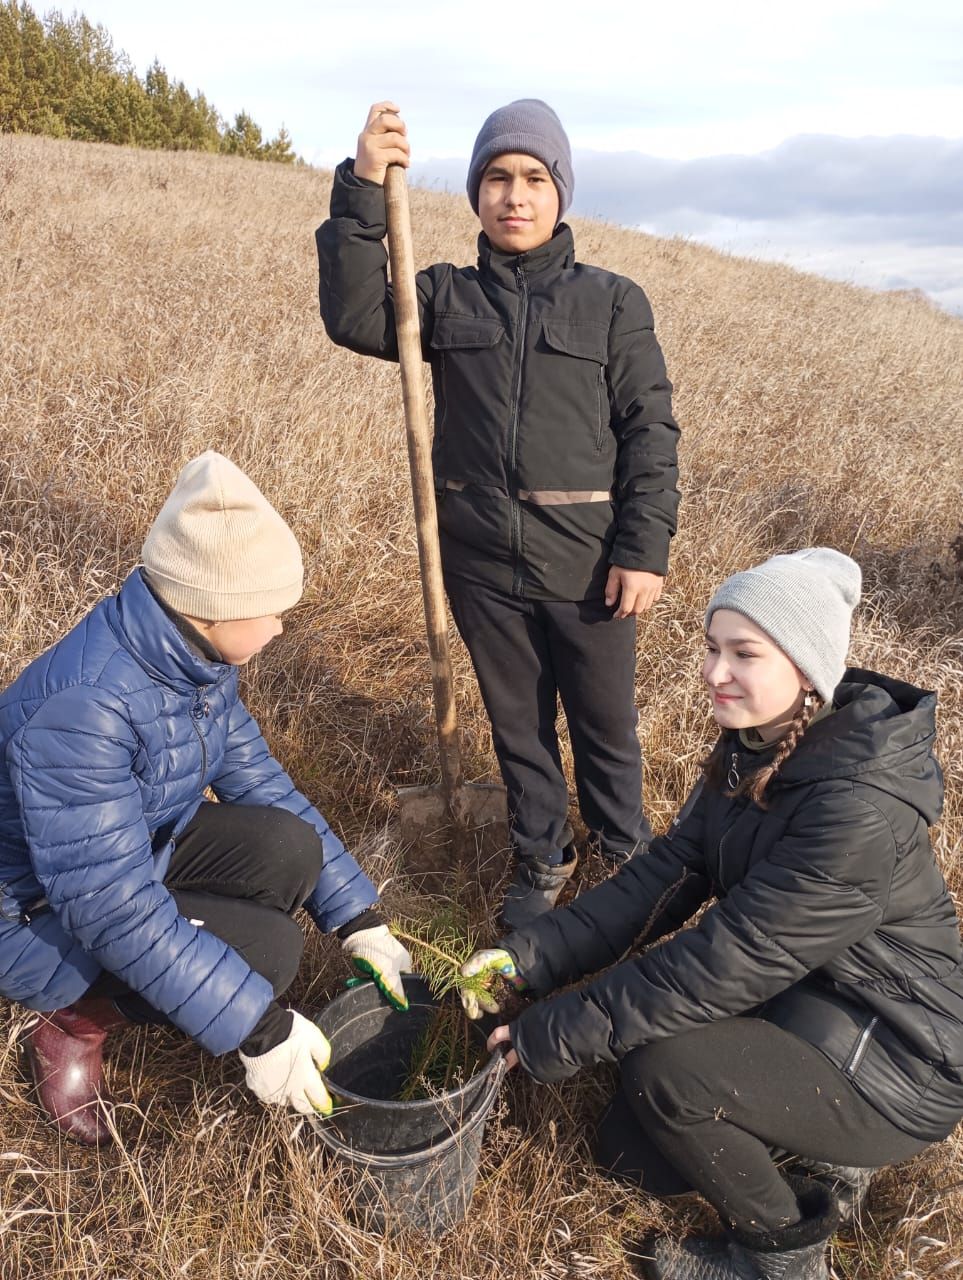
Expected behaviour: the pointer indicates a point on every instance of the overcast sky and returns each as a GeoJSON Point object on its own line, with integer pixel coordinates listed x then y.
{"type": "Point", "coordinates": [827, 134]}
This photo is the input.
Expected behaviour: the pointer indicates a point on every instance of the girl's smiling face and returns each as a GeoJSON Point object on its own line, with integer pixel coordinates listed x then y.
{"type": "Point", "coordinates": [751, 682]}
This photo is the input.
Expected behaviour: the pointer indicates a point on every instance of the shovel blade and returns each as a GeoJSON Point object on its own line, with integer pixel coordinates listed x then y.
{"type": "Point", "coordinates": [481, 812]}
{"type": "Point", "coordinates": [425, 810]}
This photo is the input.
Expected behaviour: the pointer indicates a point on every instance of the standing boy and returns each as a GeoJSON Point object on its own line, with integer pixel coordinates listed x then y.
{"type": "Point", "coordinates": [555, 470]}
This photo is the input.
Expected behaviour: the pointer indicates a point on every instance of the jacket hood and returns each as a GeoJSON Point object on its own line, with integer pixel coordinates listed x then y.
{"type": "Point", "coordinates": [153, 640]}
{"type": "Point", "coordinates": [881, 732]}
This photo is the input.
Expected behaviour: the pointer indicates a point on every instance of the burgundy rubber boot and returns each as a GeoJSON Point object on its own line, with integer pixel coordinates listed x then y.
{"type": "Point", "coordinates": [65, 1053]}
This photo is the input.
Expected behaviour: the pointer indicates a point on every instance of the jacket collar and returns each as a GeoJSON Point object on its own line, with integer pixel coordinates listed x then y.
{"type": "Point", "coordinates": [198, 642]}
{"type": "Point", "coordinates": [154, 641]}
{"type": "Point", "coordinates": [553, 256]}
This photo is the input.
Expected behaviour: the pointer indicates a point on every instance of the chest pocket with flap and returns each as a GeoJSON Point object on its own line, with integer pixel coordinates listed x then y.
{"type": "Point", "coordinates": [588, 344]}
{"type": "Point", "coordinates": [461, 368]}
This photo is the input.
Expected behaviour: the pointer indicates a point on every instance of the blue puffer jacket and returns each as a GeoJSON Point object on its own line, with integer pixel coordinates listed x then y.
{"type": "Point", "coordinates": [107, 742]}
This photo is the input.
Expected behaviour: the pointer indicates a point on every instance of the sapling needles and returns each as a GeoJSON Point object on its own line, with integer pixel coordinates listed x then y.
{"type": "Point", "coordinates": [447, 1053]}
{"type": "Point", "coordinates": [439, 946]}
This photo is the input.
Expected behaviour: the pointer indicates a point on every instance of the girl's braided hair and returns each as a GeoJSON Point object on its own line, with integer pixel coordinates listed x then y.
{"type": "Point", "coordinates": [716, 769]}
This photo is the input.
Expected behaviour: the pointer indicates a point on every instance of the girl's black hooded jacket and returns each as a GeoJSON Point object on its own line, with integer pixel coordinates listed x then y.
{"type": "Point", "coordinates": [831, 919]}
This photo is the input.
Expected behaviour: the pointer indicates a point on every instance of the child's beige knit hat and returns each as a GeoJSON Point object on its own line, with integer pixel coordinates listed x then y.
{"type": "Point", "coordinates": [218, 551]}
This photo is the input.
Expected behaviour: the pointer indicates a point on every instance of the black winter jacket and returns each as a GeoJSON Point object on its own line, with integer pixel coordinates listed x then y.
{"type": "Point", "coordinates": [831, 919]}
{"type": "Point", "coordinates": [555, 446]}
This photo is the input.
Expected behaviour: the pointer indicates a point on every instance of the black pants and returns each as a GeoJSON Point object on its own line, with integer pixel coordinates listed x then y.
{"type": "Point", "coordinates": [527, 654]}
{"type": "Point", "coordinates": [241, 871]}
{"type": "Point", "coordinates": [700, 1111]}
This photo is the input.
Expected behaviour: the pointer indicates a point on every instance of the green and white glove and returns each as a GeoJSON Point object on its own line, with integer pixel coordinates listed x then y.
{"type": "Point", "coordinates": [289, 1074]}
{"type": "Point", "coordinates": [491, 964]}
{"type": "Point", "coordinates": [376, 953]}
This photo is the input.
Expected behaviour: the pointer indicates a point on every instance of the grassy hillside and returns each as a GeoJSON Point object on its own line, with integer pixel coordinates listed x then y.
{"type": "Point", "coordinates": [153, 305]}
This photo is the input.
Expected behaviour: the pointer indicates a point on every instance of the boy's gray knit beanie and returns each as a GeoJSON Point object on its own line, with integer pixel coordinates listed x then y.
{"type": "Point", "coordinates": [804, 602]}
{"type": "Point", "coordinates": [527, 127]}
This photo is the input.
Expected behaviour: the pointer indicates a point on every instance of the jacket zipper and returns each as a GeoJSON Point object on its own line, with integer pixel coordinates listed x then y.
{"type": "Point", "coordinates": [732, 778]}
{"type": "Point", "coordinates": [732, 781]}
{"type": "Point", "coordinates": [516, 515]}
{"type": "Point", "coordinates": [199, 710]}
{"type": "Point", "coordinates": [859, 1050]}
{"type": "Point", "coordinates": [443, 373]}
{"type": "Point", "coordinates": [599, 428]}
{"type": "Point", "coordinates": [722, 850]}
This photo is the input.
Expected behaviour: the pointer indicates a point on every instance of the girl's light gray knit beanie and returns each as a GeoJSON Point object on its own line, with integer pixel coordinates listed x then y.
{"type": "Point", "coordinates": [218, 550]}
{"type": "Point", "coordinates": [804, 601]}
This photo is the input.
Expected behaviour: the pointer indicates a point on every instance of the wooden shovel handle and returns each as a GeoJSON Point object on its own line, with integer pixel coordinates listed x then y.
{"type": "Point", "coordinates": [408, 327]}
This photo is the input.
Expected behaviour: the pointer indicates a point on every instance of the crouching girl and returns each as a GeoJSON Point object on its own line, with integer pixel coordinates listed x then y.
{"type": "Point", "coordinates": [124, 896]}
{"type": "Point", "coordinates": [816, 1008]}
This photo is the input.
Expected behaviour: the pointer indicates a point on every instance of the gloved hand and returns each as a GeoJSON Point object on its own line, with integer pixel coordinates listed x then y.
{"type": "Point", "coordinates": [376, 954]}
{"type": "Point", "coordinates": [491, 964]}
{"type": "Point", "coordinates": [288, 1074]}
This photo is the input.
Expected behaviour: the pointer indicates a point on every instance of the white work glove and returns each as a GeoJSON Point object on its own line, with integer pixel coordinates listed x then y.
{"type": "Point", "coordinates": [488, 966]}
{"type": "Point", "coordinates": [376, 953]}
{"type": "Point", "coordinates": [288, 1074]}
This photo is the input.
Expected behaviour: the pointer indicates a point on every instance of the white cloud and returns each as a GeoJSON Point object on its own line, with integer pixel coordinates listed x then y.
{"type": "Point", "coordinates": [821, 246]}
{"type": "Point", "coordinates": [683, 79]}
{"type": "Point", "coordinates": [884, 212]}
{"type": "Point", "coordinates": [684, 82]}
{"type": "Point", "coordinates": [749, 127]}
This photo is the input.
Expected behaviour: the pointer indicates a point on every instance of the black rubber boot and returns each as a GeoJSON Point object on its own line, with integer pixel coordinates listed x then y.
{"type": "Point", "coordinates": [848, 1183]}
{"type": "Point", "coordinates": [535, 889]}
{"type": "Point", "coordinates": [797, 1252]}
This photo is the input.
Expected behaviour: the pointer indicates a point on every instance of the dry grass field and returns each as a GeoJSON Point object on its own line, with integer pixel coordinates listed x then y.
{"type": "Point", "coordinates": [153, 305]}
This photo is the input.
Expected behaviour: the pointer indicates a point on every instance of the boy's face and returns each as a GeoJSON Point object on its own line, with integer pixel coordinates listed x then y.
{"type": "Point", "coordinates": [239, 640]}
{"type": "Point", "coordinates": [517, 203]}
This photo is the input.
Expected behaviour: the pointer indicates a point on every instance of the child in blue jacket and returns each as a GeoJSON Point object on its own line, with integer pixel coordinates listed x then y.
{"type": "Point", "coordinates": [123, 894]}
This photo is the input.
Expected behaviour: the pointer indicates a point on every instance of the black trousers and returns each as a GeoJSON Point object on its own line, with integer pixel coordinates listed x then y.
{"type": "Point", "coordinates": [241, 871]}
{"type": "Point", "coordinates": [527, 654]}
{"type": "Point", "coordinates": [700, 1112]}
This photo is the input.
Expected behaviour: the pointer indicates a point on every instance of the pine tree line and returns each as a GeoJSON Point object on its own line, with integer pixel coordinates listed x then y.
{"type": "Point", "coordinates": [62, 76]}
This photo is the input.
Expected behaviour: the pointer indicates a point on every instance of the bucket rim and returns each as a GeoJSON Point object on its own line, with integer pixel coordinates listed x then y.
{"type": "Point", "coordinates": [389, 1160]}
{"type": "Point", "coordinates": [476, 1080]}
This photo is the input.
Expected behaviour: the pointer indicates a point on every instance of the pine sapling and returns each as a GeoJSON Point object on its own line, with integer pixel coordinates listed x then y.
{"type": "Point", "coordinates": [447, 1053]}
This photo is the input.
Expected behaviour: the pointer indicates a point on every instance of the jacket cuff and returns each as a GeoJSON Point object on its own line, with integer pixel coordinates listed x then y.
{"type": "Point", "coordinates": [639, 561]}
{"type": "Point", "coordinates": [524, 955]}
{"type": "Point", "coordinates": [369, 919]}
{"type": "Point", "coordinates": [528, 1056]}
{"type": "Point", "coordinates": [272, 1029]}
{"type": "Point", "coordinates": [346, 172]}
{"type": "Point", "coordinates": [359, 200]}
